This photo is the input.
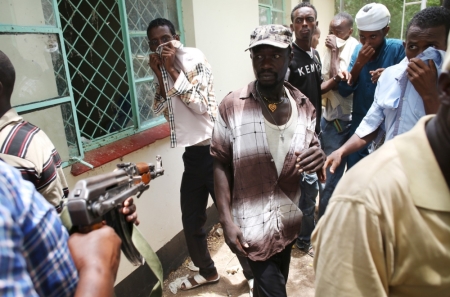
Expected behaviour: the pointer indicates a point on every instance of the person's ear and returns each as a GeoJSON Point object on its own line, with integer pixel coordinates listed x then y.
{"type": "Point", "coordinates": [351, 31]}
{"type": "Point", "coordinates": [176, 37]}
{"type": "Point", "coordinates": [2, 89]}
{"type": "Point", "coordinates": [404, 44]}
{"type": "Point", "coordinates": [386, 30]}
{"type": "Point", "coordinates": [444, 88]}
{"type": "Point", "coordinates": [292, 27]}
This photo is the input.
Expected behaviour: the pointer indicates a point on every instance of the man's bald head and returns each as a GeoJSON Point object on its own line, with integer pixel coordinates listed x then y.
{"type": "Point", "coordinates": [7, 76]}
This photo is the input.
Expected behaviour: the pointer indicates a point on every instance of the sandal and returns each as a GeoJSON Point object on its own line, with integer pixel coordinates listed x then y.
{"type": "Point", "coordinates": [199, 281]}
{"type": "Point", "coordinates": [250, 285]}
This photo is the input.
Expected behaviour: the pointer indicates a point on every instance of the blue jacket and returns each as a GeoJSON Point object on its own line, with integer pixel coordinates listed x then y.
{"type": "Point", "coordinates": [391, 53]}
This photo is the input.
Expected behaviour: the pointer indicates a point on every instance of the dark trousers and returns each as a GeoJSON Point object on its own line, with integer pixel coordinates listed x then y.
{"type": "Point", "coordinates": [331, 140]}
{"type": "Point", "coordinates": [271, 275]}
{"type": "Point", "coordinates": [196, 185]}
{"type": "Point", "coordinates": [309, 189]}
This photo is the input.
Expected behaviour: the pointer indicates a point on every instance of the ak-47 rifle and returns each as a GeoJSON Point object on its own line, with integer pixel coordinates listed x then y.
{"type": "Point", "coordinates": [100, 198]}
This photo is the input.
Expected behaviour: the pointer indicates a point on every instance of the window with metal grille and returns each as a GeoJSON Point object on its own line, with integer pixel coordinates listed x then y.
{"type": "Point", "coordinates": [82, 67]}
{"type": "Point", "coordinates": [271, 12]}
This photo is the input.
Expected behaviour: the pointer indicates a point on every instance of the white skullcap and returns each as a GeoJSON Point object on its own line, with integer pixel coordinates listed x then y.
{"type": "Point", "coordinates": [446, 65]}
{"type": "Point", "coordinates": [372, 17]}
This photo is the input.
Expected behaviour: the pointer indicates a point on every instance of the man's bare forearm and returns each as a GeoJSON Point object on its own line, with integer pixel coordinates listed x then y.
{"type": "Point", "coordinates": [222, 189]}
{"type": "Point", "coordinates": [431, 103]}
{"type": "Point", "coordinates": [355, 143]}
{"type": "Point", "coordinates": [328, 85]}
{"type": "Point", "coordinates": [334, 63]}
{"type": "Point", "coordinates": [355, 72]}
{"type": "Point", "coordinates": [95, 282]}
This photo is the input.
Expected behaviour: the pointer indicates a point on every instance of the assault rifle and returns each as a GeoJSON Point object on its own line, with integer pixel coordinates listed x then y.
{"type": "Point", "coordinates": [100, 198]}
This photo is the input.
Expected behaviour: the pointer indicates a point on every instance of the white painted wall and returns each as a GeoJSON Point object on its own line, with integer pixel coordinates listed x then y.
{"type": "Point", "coordinates": [221, 29]}
{"type": "Point", "coordinates": [159, 207]}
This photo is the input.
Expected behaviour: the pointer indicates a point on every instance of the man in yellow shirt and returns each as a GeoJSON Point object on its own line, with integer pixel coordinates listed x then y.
{"type": "Point", "coordinates": [389, 233]}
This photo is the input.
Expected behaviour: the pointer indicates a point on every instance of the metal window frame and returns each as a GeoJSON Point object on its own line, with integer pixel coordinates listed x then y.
{"type": "Point", "coordinates": [132, 81]}
{"type": "Point", "coordinates": [48, 102]}
{"type": "Point", "coordinates": [271, 9]}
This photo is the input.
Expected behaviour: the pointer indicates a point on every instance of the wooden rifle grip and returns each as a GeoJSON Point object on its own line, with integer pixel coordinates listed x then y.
{"type": "Point", "coordinates": [87, 229]}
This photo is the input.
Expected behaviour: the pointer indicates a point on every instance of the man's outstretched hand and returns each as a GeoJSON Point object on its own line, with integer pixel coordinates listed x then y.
{"type": "Point", "coordinates": [333, 160]}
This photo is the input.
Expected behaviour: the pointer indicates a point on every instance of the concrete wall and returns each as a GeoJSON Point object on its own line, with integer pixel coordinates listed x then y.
{"type": "Point", "coordinates": [221, 29]}
{"type": "Point", "coordinates": [159, 207]}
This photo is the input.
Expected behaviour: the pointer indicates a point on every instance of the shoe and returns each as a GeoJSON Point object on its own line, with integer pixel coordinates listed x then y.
{"type": "Point", "coordinates": [305, 247]}
{"type": "Point", "coordinates": [250, 286]}
{"type": "Point", "coordinates": [196, 281]}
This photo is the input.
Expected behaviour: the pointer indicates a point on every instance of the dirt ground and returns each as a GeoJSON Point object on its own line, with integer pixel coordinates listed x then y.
{"type": "Point", "coordinates": [300, 282]}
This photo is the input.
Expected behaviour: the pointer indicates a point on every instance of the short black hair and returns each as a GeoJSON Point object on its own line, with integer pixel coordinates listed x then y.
{"type": "Point", "coordinates": [7, 74]}
{"type": "Point", "coordinates": [344, 16]}
{"type": "Point", "coordinates": [431, 17]}
{"type": "Point", "coordinates": [161, 22]}
{"type": "Point", "coordinates": [300, 5]}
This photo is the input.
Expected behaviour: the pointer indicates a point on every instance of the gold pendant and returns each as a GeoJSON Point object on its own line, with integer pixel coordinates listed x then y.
{"type": "Point", "coordinates": [272, 107]}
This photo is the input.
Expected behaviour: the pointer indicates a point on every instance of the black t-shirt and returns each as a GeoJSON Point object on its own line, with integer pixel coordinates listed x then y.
{"type": "Point", "coordinates": [306, 75]}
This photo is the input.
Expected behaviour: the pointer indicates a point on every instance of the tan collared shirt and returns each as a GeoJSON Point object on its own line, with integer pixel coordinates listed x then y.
{"type": "Point", "coordinates": [28, 149]}
{"type": "Point", "coordinates": [386, 231]}
{"type": "Point", "coordinates": [264, 204]}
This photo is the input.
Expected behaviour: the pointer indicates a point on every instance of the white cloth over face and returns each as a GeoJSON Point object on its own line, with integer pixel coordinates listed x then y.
{"type": "Point", "coordinates": [372, 17]}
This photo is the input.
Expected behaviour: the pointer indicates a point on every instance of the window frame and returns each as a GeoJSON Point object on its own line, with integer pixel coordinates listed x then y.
{"type": "Point", "coordinates": [111, 137]}
{"type": "Point", "coordinates": [272, 9]}
{"type": "Point", "coordinates": [10, 29]}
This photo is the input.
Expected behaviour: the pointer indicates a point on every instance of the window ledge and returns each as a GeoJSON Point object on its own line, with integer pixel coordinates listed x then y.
{"type": "Point", "coordinates": [120, 148]}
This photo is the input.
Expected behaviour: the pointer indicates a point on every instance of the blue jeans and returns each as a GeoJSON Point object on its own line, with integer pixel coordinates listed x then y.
{"type": "Point", "coordinates": [332, 140]}
{"type": "Point", "coordinates": [309, 186]}
{"type": "Point", "coordinates": [354, 158]}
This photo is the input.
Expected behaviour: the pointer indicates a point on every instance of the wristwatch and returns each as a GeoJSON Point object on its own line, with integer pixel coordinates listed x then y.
{"type": "Point", "coordinates": [337, 78]}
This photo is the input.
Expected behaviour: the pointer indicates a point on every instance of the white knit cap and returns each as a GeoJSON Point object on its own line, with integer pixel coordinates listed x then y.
{"type": "Point", "coordinates": [372, 17]}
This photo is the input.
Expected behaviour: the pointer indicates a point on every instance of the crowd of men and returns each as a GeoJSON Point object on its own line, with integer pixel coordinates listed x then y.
{"type": "Point", "coordinates": [301, 124]}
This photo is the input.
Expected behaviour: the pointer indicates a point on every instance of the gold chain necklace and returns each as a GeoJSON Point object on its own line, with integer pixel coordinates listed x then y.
{"type": "Point", "coordinates": [272, 105]}
{"type": "Point", "coordinates": [289, 114]}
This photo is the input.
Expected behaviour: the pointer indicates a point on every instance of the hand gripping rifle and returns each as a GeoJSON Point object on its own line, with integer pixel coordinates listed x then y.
{"type": "Point", "coordinates": [99, 198]}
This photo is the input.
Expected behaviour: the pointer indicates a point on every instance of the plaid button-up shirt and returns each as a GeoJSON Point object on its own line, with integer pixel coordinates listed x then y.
{"type": "Point", "coordinates": [190, 106]}
{"type": "Point", "coordinates": [34, 256]}
{"type": "Point", "coordinates": [263, 204]}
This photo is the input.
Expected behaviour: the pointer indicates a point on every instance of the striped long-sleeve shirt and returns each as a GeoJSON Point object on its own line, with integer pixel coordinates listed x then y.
{"type": "Point", "coordinates": [28, 148]}
{"type": "Point", "coordinates": [190, 105]}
